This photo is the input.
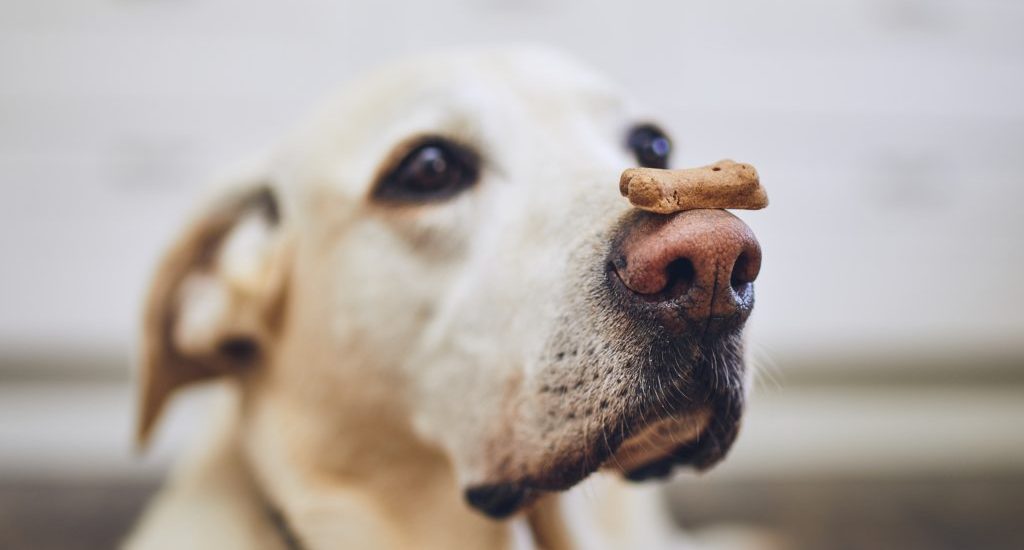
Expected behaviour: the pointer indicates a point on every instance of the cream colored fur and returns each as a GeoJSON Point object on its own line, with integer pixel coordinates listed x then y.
{"type": "Point", "coordinates": [396, 344]}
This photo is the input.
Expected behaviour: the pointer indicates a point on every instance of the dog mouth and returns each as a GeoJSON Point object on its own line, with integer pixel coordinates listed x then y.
{"type": "Point", "coordinates": [655, 449]}
{"type": "Point", "coordinates": [696, 438]}
{"type": "Point", "coordinates": [651, 451]}
{"type": "Point", "coordinates": [646, 439]}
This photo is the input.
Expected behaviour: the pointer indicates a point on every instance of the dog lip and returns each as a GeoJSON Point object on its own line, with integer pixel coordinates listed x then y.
{"type": "Point", "coordinates": [662, 467]}
{"type": "Point", "coordinates": [518, 479]}
{"type": "Point", "coordinates": [653, 441]}
{"type": "Point", "coordinates": [688, 454]}
{"type": "Point", "coordinates": [499, 500]}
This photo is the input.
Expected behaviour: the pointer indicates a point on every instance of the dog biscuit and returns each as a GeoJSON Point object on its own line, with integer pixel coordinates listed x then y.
{"type": "Point", "coordinates": [724, 184]}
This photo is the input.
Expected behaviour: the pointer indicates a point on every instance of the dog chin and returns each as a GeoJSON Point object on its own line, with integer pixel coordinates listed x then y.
{"type": "Point", "coordinates": [700, 435]}
{"type": "Point", "coordinates": [653, 452]}
{"type": "Point", "coordinates": [649, 440]}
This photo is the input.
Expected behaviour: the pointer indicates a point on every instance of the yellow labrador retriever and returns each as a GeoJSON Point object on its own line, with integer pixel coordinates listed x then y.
{"type": "Point", "coordinates": [437, 314]}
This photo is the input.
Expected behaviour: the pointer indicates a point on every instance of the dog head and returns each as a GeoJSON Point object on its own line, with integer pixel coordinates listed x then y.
{"type": "Point", "coordinates": [442, 252]}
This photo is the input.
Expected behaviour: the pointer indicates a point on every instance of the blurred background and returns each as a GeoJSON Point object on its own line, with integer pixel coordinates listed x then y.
{"type": "Point", "coordinates": [889, 412]}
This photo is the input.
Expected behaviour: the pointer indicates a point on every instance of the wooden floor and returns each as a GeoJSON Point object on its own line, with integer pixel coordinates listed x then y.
{"type": "Point", "coordinates": [958, 514]}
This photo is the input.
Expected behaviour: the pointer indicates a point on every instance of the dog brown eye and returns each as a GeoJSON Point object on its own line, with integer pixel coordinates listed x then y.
{"type": "Point", "coordinates": [650, 145]}
{"type": "Point", "coordinates": [435, 169]}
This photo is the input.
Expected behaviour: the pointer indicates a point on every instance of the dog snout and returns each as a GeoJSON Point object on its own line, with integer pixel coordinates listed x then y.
{"type": "Point", "coordinates": [694, 269]}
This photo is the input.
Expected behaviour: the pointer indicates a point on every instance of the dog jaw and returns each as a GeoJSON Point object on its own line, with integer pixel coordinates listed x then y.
{"type": "Point", "coordinates": [637, 407]}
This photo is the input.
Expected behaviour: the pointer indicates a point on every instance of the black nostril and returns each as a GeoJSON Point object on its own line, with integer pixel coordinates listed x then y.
{"type": "Point", "coordinates": [741, 272]}
{"type": "Point", "coordinates": [680, 274]}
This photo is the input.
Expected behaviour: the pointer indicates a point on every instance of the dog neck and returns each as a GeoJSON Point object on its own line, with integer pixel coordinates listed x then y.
{"type": "Point", "coordinates": [356, 479]}
{"type": "Point", "coordinates": [262, 502]}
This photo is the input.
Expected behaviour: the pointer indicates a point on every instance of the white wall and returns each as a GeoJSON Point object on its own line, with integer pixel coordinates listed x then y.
{"type": "Point", "coordinates": [889, 133]}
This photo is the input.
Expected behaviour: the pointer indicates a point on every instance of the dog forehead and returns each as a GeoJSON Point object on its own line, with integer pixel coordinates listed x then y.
{"type": "Point", "coordinates": [531, 72]}
{"type": "Point", "coordinates": [466, 83]}
{"type": "Point", "coordinates": [542, 71]}
{"type": "Point", "coordinates": [482, 97]}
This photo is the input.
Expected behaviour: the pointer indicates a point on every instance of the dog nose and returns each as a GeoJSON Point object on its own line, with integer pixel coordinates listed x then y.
{"type": "Point", "coordinates": [695, 269]}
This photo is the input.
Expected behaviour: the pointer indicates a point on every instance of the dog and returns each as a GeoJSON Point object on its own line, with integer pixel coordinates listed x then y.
{"type": "Point", "coordinates": [434, 315]}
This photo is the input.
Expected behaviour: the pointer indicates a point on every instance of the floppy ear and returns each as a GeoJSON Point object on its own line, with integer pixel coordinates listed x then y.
{"type": "Point", "coordinates": [216, 301]}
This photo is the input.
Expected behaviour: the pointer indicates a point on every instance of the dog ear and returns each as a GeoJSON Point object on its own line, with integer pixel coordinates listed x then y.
{"type": "Point", "coordinates": [217, 299]}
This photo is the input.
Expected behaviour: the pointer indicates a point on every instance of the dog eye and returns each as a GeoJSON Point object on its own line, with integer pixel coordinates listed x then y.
{"type": "Point", "coordinates": [650, 145]}
{"type": "Point", "coordinates": [434, 169]}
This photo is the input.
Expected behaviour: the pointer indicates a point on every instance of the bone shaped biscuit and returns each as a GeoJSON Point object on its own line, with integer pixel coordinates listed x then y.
{"type": "Point", "coordinates": [724, 184]}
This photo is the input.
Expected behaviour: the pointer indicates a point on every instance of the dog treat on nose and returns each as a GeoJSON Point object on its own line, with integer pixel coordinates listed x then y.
{"type": "Point", "coordinates": [724, 184]}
